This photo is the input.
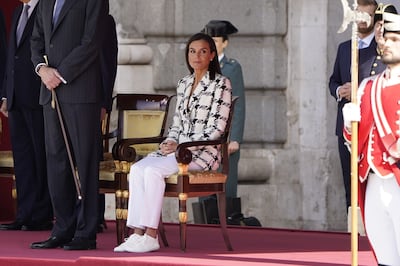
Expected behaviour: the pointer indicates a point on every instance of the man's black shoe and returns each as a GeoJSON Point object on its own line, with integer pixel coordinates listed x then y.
{"type": "Point", "coordinates": [11, 226]}
{"type": "Point", "coordinates": [52, 242]}
{"type": "Point", "coordinates": [44, 226]}
{"type": "Point", "coordinates": [80, 243]}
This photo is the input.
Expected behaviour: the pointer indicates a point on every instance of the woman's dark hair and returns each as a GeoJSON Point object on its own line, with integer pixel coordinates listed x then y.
{"type": "Point", "coordinates": [213, 67]}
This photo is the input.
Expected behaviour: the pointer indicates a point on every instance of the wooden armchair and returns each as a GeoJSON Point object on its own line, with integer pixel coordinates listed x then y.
{"type": "Point", "coordinates": [140, 116]}
{"type": "Point", "coordinates": [188, 184]}
{"type": "Point", "coordinates": [185, 184]}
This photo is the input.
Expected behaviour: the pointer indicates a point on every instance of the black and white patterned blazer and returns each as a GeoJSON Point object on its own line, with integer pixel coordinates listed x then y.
{"type": "Point", "coordinates": [202, 116]}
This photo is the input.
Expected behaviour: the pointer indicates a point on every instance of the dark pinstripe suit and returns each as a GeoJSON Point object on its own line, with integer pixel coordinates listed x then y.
{"type": "Point", "coordinates": [72, 46]}
{"type": "Point", "coordinates": [21, 88]}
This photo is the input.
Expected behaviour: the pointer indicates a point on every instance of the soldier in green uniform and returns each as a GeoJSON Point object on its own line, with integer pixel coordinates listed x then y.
{"type": "Point", "coordinates": [219, 31]}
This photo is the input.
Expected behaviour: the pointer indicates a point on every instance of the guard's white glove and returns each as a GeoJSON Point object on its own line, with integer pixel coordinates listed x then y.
{"type": "Point", "coordinates": [351, 113]}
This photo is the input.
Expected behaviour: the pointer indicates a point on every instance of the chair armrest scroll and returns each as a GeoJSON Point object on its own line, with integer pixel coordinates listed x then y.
{"type": "Point", "coordinates": [123, 150]}
{"type": "Point", "coordinates": [184, 155]}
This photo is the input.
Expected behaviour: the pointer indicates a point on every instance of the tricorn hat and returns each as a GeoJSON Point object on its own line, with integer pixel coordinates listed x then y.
{"type": "Point", "coordinates": [391, 22]}
{"type": "Point", "coordinates": [219, 28]}
{"type": "Point", "coordinates": [383, 8]}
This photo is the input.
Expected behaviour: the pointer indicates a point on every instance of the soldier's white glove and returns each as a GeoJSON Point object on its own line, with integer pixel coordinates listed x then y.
{"type": "Point", "coordinates": [351, 113]}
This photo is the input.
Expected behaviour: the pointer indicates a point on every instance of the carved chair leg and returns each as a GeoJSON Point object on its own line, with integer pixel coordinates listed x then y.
{"type": "Point", "coordinates": [182, 220]}
{"type": "Point", "coordinates": [221, 198]}
{"type": "Point", "coordinates": [118, 216]}
{"type": "Point", "coordinates": [161, 232]}
{"type": "Point", "coordinates": [125, 199]}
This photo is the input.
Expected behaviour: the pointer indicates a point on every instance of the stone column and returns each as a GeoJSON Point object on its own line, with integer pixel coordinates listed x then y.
{"type": "Point", "coordinates": [135, 72]}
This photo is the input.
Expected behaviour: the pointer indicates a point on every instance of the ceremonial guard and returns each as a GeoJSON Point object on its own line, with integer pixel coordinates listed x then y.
{"type": "Point", "coordinates": [219, 30]}
{"type": "Point", "coordinates": [378, 113]}
{"type": "Point", "coordinates": [369, 64]}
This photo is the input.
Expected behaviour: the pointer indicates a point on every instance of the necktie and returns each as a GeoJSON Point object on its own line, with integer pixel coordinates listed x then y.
{"type": "Point", "coordinates": [361, 44]}
{"type": "Point", "coordinates": [22, 23]}
{"type": "Point", "coordinates": [57, 9]}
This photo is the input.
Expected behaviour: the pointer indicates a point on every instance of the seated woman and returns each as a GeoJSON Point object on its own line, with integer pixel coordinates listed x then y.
{"type": "Point", "coordinates": [202, 110]}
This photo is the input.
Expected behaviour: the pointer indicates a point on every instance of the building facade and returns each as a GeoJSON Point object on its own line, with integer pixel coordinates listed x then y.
{"type": "Point", "coordinates": [289, 171]}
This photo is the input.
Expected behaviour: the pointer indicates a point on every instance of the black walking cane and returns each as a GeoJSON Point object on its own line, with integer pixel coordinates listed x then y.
{"type": "Point", "coordinates": [74, 169]}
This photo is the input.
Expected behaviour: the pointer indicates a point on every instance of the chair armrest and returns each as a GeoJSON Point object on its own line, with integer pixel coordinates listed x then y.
{"type": "Point", "coordinates": [184, 155]}
{"type": "Point", "coordinates": [111, 135]}
{"type": "Point", "coordinates": [123, 150]}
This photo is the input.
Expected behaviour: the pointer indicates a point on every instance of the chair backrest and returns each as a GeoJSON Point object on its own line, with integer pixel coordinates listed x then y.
{"type": "Point", "coordinates": [224, 148]}
{"type": "Point", "coordinates": [141, 116]}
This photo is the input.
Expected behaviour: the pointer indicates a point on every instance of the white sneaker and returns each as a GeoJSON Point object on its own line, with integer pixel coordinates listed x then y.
{"type": "Point", "coordinates": [145, 244]}
{"type": "Point", "coordinates": [128, 241]}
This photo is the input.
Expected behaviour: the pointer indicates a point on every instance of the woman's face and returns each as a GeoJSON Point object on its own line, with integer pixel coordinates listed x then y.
{"type": "Point", "coordinates": [200, 55]}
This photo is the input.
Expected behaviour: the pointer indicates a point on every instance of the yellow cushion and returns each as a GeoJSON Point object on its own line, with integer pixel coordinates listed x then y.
{"type": "Point", "coordinates": [200, 177]}
{"type": "Point", "coordinates": [6, 159]}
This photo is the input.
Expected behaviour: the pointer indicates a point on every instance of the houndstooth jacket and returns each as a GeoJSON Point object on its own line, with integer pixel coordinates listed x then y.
{"type": "Point", "coordinates": [202, 116]}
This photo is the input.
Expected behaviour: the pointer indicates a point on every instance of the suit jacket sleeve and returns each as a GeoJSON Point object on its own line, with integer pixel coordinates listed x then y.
{"type": "Point", "coordinates": [37, 38]}
{"type": "Point", "coordinates": [81, 56]}
{"type": "Point", "coordinates": [108, 60]}
{"type": "Point", "coordinates": [336, 79]}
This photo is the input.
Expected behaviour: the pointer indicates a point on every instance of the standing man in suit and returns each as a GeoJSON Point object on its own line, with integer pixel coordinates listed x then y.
{"type": "Point", "coordinates": [230, 68]}
{"type": "Point", "coordinates": [109, 63]}
{"type": "Point", "coordinates": [20, 102]}
{"type": "Point", "coordinates": [340, 81]}
{"type": "Point", "coordinates": [66, 41]}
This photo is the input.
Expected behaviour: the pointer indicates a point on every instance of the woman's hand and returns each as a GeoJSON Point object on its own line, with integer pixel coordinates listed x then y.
{"type": "Point", "coordinates": [233, 147]}
{"type": "Point", "coordinates": [168, 147]}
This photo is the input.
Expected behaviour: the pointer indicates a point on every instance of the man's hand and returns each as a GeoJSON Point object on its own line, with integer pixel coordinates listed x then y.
{"type": "Point", "coordinates": [3, 108]}
{"type": "Point", "coordinates": [50, 77]}
{"type": "Point", "coordinates": [344, 91]}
